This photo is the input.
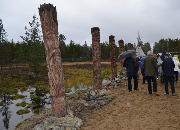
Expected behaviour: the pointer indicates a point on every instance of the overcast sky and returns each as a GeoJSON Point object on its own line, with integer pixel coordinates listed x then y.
{"type": "Point", "coordinates": [154, 19]}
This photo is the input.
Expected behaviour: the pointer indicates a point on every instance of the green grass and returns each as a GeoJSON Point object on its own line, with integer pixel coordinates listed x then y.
{"type": "Point", "coordinates": [74, 77]}
{"type": "Point", "coordinates": [22, 111]}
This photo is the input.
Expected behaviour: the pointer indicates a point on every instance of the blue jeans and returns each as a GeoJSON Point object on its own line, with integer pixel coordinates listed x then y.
{"type": "Point", "coordinates": [171, 81]}
{"type": "Point", "coordinates": [149, 78]}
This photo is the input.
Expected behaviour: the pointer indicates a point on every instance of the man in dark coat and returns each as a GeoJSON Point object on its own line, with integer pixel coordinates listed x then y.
{"type": "Point", "coordinates": [150, 66]}
{"type": "Point", "coordinates": [168, 69]}
{"type": "Point", "coordinates": [163, 56]}
{"type": "Point", "coordinates": [132, 69]}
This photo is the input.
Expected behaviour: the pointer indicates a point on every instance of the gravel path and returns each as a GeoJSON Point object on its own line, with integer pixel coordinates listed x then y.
{"type": "Point", "coordinates": [138, 111]}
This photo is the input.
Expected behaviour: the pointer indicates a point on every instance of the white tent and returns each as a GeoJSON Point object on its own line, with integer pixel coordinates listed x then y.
{"type": "Point", "coordinates": [139, 51]}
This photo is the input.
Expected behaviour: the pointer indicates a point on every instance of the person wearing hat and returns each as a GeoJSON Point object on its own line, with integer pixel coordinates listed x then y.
{"type": "Point", "coordinates": [168, 69]}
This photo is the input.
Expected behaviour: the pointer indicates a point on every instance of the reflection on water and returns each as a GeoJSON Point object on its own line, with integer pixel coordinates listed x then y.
{"type": "Point", "coordinates": [104, 80]}
{"type": "Point", "coordinates": [80, 87]}
{"type": "Point", "coordinates": [37, 100]}
{"type": "Point", "coordinates": [6, 114]}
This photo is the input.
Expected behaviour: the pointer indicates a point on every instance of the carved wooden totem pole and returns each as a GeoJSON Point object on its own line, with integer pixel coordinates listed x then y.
{"type": "Point", "coordinates": [130, 46]}
{"type": "Point", "coordinates": [121, 49]}
{"type": "Point", "coordinates": [49, 24]}
{"type": "Point", "coordinates": [96, 54]}
{"type": "Point", "coordinates": [113, 56]}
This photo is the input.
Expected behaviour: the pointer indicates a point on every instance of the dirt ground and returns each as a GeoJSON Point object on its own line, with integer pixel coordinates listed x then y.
{"type": "Point", "coordinates": [138, 110]}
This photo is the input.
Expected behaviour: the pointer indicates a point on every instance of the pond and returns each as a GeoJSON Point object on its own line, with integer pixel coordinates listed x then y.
{"type": "Point", "coordinates": [30, 103]}
{"type": "Point", "coordinates": [20, 105]}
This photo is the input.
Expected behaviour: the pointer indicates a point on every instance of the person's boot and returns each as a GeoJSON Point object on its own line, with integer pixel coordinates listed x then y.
{"type": "Point", "coordinates": [156, 93]}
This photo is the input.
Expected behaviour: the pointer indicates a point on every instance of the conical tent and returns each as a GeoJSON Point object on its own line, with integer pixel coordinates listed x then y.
{"type": "Point", "coordinates": [139, 51]}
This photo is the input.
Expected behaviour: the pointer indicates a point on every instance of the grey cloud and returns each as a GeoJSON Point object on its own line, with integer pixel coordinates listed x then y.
{"type": "Point", "coordinates": [155, 19]}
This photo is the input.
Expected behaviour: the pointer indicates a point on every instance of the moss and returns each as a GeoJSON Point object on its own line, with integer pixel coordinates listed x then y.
{"type": "Point", "coordinates": [68, 90]}
{"type": "Point", "coordinates": [11, 91]}
{"type": "Point", "coordinates": [78, 91]}
{"type": "Point", "coordinates": [36, 110]}
{"type": "Point", "coordinates": [83, 90]}
{"type": "Point", "coordinates": [35, 106]}
{"type": "Point", "coordinates": [118, 68]}
{"type": "Point", "coordinates": [76, 76]}
{"type": "Point", "coordinates": [36, 98]}
{"type": "Point", "coordinates": [32, 93]}
{"type": "Point", "coordinates": [15, 76]}
{"type": "Point", "coordinates": [16, 84]}
{"type": "Point", "coordinates": [11, 84]}
{"type": "Point", "coordinates": [29, 105]}
{"type": "Point", "coordinates": [23, 104]}
{"type": "Point", "coordinates": [22, 111]}
{"type": "Point", "coordinates": [24, 88]}
{"type": "Point", "coordinates": [42, 86]}
{"type": "Point", "coordinates": [106, 72]}
{"type": "Point", "coordinates": [17, 96]}
{"type": "Point", "coordinates": [19, 124]}
{"type": "Point", "coordinates": [1, 103]}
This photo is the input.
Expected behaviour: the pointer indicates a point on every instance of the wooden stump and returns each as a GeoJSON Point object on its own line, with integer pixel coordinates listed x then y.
{"type": "Point", "coordinates": [121, 49]}
{"type": "Point", "coordinates": [130, 46]}
{"type": "Point", "coordinates": [96, 54]}
{"type": "Point", "coordinates": [113, 56]}
{"type": "Point", "coordinates": [49, 24]}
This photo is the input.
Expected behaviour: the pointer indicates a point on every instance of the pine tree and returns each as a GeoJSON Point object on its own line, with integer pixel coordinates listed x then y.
{"type": "Point", "coordinates": [2, 40]}
{"type": "Point", "coordinates": [34, 50]}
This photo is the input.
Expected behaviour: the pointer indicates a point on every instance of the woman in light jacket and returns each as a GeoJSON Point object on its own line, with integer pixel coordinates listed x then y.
{"type": "Point", "coordinates": [176, 69]}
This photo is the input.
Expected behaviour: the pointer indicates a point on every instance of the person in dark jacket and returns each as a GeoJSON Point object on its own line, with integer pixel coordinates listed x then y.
{"type": "Point", "coordinates": [143, 70]}
{"type": "Point", "coordinates": [150, 66]}
{"type": "Point", "coordinates": [163, 56]}
{"type": "Point", "coordinates": [132, 69]}
{"type": "Point", "coordinates": [138, 63]}
{"type": "Point", "coordinates": [168, 69]}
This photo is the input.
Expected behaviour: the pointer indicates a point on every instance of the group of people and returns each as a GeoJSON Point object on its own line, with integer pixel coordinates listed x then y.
{"type": "Point", "coordinates": [152, 66]}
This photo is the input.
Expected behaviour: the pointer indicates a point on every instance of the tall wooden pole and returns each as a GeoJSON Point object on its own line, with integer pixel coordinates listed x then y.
{"type": "Point", "coordinates": [121, 49]}
{"type": "Point", "coordinates": [96, 54]}
{"type": "Point", "coordinates": [113, 56]}
{"type": "Point", "coordinates": [130, 46]}
{"type": "Point", "coordinates": [49, 24]}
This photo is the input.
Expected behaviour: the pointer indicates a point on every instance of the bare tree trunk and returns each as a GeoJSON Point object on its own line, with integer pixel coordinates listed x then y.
{"type": "Point", "coordinates": [49, 24]}
{"type": "Point", "coordinates": [96, 54]}
{"type": "Point", "coordinates": [113, 56]}
{"type": "Point", "coordinates": [121, 49]}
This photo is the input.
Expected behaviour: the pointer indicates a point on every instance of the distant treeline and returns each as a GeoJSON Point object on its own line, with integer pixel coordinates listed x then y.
{"type": "Point", "coordinates": [168, 45]}
{"type": "Point", "coordinates": [31, 49]}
